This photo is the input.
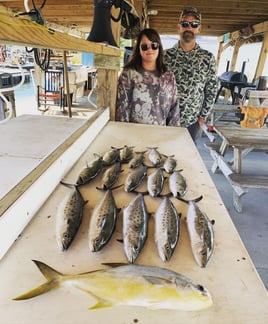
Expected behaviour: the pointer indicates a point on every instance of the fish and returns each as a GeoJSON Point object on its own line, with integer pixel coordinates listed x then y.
{"type": "Point", "coordinates": [137, 159]}
{"type": "Point", "coordinates": [111, 156]}
{"type": "Point", "coordinates": [69, 217]}
{"type": "Point", "coordinates": [110, 176]}
{"type": "Point", "coordinates": [155, 182]}
{"type": "Point", "coordinates": [135, 178]}
{"type": "Point", "coordinates": [88, 173]}
{"type": "Point", "coordinates": [135, 227]}
{"type": "Point", "coordinates": [126, 153]}
{"type": "Point", "coordinates": [145, 286]}
{"type": "Point", "coordinates": [170, 164]}
{"type": "Point", "coordinates": [154, 156]}
{"type": "Point", "coordinates": [177, 184]}
{"type": "Point", "coordinates": [167, 229]}
{"type": "Point", "coordinates": [102, 222]}
{"type": "Point", "coordinates": [201, 234]}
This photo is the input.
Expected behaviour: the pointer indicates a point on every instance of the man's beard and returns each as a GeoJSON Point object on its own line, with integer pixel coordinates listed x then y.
{"type": "Point", "coordinates": [188, 36]}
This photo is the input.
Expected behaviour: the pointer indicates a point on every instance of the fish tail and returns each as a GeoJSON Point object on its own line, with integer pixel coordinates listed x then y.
{"type": "Point", "coordinates": [53, 282]}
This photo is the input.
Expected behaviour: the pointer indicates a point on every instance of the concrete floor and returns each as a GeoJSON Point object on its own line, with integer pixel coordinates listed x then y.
{"type": "Point", "coordinates": [252, 223]}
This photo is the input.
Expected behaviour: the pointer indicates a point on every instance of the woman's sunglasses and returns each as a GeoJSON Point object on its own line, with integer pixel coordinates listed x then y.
{"type": "Point", "coordinates": [185, 24]}
{"type": "Point", "coordinates": [154, 46]}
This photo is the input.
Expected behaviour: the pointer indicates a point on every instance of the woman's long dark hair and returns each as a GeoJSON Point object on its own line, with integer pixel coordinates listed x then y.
{"type": "Point", "coordinates": [135, 60]}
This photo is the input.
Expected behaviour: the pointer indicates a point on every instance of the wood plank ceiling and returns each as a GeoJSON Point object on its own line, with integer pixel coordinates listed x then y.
{"type": "Point", "coordinates": [218, 16]}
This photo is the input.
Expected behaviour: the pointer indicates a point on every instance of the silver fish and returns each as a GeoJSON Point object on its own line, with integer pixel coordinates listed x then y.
{"type": "Point", "coordinates": [135, 178]}
{"type": "Point", "coordinates": [102, 222]}
{"type": "Point", "coordinates": [155, 182]}
{"type": "Point", "coordinates": [137, 159]}
{"type": "Point", "coordinates": [201, 234]}
{"type": "Point", "coordinates": [111, 156]}
{"type": "Point", "coordinates": [177, 184]}
{"type": "Point", "coordinates": [126, 153]}
{"type": "Point", "coordinates": [93, 168]}
{"type": "Point", "coordinates": [69, 217]}
{"type": "Point", "coordinates": [154, 156]}
{"type": "Point", "coordinates": [135, 227]}
{"type": "Point", "coordinates": [167, 229]}
{"type": "Point", "coordinates": [131, 285]}
{"type": "Point", "coordinates": [170, 164]}
{"type": "Point", "coordinates": [111, 175]}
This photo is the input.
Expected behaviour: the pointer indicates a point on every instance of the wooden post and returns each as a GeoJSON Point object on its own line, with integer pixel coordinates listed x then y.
{"type": "Point", "coordinates": [66, 84]}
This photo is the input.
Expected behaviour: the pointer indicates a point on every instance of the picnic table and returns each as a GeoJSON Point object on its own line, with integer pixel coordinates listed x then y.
{"type": "Point", "coordinates": [243, 141]}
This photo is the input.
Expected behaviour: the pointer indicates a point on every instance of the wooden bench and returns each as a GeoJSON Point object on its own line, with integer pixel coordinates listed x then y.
{"type": "Point", "coordinates": [240, 182]}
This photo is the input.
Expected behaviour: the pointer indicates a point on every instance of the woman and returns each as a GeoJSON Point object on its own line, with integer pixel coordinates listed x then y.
{"type": "Point", "coordinates": [147, 91]}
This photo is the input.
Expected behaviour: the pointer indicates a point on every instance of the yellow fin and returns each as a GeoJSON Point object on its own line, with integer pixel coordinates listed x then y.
{"type": "Point", "coordinates": [101, 304]}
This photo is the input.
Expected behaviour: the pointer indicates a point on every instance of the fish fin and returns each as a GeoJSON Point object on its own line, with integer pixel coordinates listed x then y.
{"type": "Point", "coordinates": [53, 282]}
{"type": "Point", "coordinates": [156, 280]}
{"type": "Point", "coordinates": [70, 185]}
{"type": "Point", "coordinates": [42, 289]}
{"type": "Point", "coordinates": [48, 272]}
{"type": "Point", "coordinates": [101, 303]}
{"type": "Point", "coordinates": [114, 264]}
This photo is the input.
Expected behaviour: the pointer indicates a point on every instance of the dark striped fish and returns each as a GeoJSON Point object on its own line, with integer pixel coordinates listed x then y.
{"type": "Point", "coordinates": [135, 227]}
{"type": "Point", "coordinates": [102, 222]}
{"type": "Point", "coordinates": [69, 217]}
{"type": "Point", "coordinates": [167, 229]}
{"type": "Point", "coordinates": [201, 234]}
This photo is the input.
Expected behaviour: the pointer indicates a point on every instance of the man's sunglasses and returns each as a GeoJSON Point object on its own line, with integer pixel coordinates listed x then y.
{"type": "Point", "coordinates": [154, 46]}
{"type": "Point", "coordinates": [185, 24]}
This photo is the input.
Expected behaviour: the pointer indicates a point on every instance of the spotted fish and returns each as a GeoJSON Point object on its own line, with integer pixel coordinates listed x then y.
{"type": "Point", "coordinates": [110, 176]}
{"type": "Point", "coordinates": [111, 156]}
{"type": "Point", "coordinates": [137, 159]}
{"type": "Point", "coordinates": [177, 184]}
{"type": "Point", "coordinates": [154, 156]}
{"type": "Point", "coordinates": [167, 229]}
{"type": "Point", "coordinates": [102, 222]}
{"type": "Point", "coordinates": [126, 153]}
{"type": "Point", "coordinates": [155, 182]}
{"type": "Point", "coordinates": [170, 164]}
{"type": "Point", "coordinates": [135, 227]}
{"type": "Point", "coordinates": [69, 217]}
{"type": "Point", "coordinates": [93, 168]}
{"type": "Point", "coordinates": [135, 178]}
{"type": "Point", "coordinates": [201, 234]}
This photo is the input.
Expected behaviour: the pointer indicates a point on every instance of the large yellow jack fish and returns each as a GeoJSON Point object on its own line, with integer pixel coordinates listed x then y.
{"type": "Point", "coordinates": [131, 285]}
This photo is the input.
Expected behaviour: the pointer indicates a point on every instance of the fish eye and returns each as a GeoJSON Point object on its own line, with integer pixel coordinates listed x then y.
{"type": "Point", "coordinates": [200, 287]}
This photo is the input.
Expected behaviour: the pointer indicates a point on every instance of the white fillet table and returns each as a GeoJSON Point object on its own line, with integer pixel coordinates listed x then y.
{"type": "Point", "coordinates": [239, 295]}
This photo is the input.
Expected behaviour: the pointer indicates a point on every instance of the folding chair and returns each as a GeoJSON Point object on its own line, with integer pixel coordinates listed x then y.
{"type": "Point", "coordinates": [51, 91]}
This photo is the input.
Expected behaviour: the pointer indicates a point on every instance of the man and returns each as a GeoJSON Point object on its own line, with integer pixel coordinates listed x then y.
{"type": "Point", "coordinates": [195, 73]}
